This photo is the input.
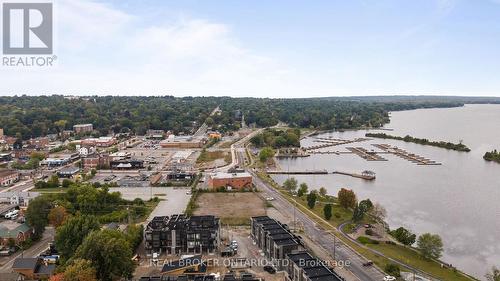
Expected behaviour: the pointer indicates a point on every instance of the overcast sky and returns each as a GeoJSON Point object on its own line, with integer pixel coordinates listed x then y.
{"type": "Point", "coordinates": [269, 48]}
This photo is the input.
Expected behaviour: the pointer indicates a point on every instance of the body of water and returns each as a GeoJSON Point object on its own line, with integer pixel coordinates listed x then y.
{"type": "Point", "coordinates": [459, 200]}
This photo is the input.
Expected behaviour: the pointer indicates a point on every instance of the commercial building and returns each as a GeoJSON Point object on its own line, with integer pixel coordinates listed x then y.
{"type": "Point", "coordinates": [126, 164]}
{"type": "Point", "coordinates": [98, 142]}
{"type": "Point", "coordinates": [302, 266]}
{"type": "Point", "coordinates": [182, 142]}
{"type": "Point", "coordinates": [180, 234]}
{"type": "Point", "coordinates": [274, 238]}
{"type": "Point", "coordinates": [100, 161]}
{"type": "Point", "coordinates": [8, 177]}
{"type": "Point", "coordinates": [68, 172]}
{"type": "Point", "coordinates": [230, 180]}
{"type": "Point", "coordinates": [155, 134]}
{"type": "Point", "coordinates": [33, 268]}
{"type": "Point", "coordinates": [83, 128]}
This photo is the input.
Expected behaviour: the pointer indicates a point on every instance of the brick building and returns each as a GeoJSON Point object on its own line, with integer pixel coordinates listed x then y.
{"type": "Point", "coordinates": [233, 180]}
{"type": "Point", "coordinates": [83, 128]}
{"type": "Point", "coordinates": [8, 177]}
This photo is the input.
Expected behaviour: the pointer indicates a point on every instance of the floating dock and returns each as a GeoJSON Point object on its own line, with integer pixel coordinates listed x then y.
{"type": "Point", "coordinates": [414, 158]}
{"type": "Point", "coordinates": [365, 154]}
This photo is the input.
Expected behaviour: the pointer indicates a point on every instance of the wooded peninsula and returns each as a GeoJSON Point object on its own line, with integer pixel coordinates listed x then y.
{"type": "Point", "coordinates": [448, 145]}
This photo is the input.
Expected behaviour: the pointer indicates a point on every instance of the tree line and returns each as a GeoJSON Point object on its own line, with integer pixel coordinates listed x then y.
{"type": "Point", "coordinates": [448, 145]}
{"type": "Point", "coordinates": [33, 116]}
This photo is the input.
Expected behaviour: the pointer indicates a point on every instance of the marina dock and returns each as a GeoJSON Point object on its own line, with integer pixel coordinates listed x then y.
{"type": "Point", "coordinates": [414, 158]}
{"type": "Point", "coordinates": [365, 154]}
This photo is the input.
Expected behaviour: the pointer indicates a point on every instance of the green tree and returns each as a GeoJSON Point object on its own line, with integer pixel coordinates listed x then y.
{"type": "Point", "coordinates": [290, 184]}
{"type": "Point", "coordinates": [327, 211]}
{"type": "Point", "coordinates": [302, 189]}
{"type": "Point", "coordinates": [430, 245]}
{"type": "Point", "coordinates": [72, 233]}
{"type": "Point", "coordinates": [494, 275]}
{"type": "Point", "coordinates": [322, 191]}
{"type": "Point", "coordinates": [392, 269]}
{"type": "Point", "coordinates": [357, 214]}
{"type": "Point", "coordinates": [53, 182]}
{"type": "Point", "coordinates": [404, 236]}
{"type": "Point", "coordinates": [80, 270]}
{"type": "Point", "coordinates": [66, 183]}
{"type": "Point", "coordinates": [110, 253]}
{"type": "Point", "coordinates": [311, 199]}
{"type": "Point", "coordinates": [37, 215]}
{"type": "Point", "coordinates": [366, 205]}
{"type": "Point", "coordinates": [347, 198]}
{"type": "Point", "coordinates": [266, 153]}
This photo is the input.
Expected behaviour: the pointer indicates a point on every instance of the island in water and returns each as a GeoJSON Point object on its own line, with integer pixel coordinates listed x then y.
{"type": "Point", "coordinates": [443, 144]}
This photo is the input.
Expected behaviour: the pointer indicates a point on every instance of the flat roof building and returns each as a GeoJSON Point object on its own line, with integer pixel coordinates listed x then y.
{"type": "Point", "coordinates": [274, 238]}
{"type": "Point", "coordinates": [180, 234]}
{"type": "Point", "coordinates": [232, 180]}
{"type": "Point", "coordinates": [83, 128]}
{"type": "Point", "coordinates": [302, 266]}
{"type": "Point", "coordinates": [8, 177]}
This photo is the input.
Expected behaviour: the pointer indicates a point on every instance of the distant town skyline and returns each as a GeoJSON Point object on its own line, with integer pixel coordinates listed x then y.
{"type": "Point", "coordinates": [268, 49]}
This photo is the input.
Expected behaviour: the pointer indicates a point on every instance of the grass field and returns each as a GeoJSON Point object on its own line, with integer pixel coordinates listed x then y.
{"type": "Point", "coordinates": [235, 208]}
{"type": "Point", "coordinates": [209, 156]}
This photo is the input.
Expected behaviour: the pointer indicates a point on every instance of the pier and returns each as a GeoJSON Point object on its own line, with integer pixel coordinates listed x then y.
{"type": "Point", "coordinates": [305, 172]}
{"type": "Point", "coordinates": [365, 154]}
{"type": "Point", "coordinates": [329, 142]}
{"type": "Point", "coordinates": [366, 175]}
{"type": "Point", "coordinates": [414, 158]}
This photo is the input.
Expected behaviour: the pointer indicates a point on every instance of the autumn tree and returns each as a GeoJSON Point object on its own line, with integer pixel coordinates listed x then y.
{"type": "Point", "coordinates": [57, 216]}
{"type": "Point", "coordinates": [80, 270]}
{"type": "Point", "coordinates": [347, 198]}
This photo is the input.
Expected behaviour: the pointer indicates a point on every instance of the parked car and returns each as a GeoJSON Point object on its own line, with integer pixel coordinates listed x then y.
{"type": "Point", "coordinates": [12, 213]}
{"type": "Point", "coordinates": [389, 278]}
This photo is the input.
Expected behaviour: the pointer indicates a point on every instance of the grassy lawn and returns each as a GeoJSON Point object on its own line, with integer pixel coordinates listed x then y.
{"type": "Point", "coordinates": [400, 253]}
{"type": "Point", "coordinates": [209, 156]}
{"type": "Point", "coordinates": [51, 190]}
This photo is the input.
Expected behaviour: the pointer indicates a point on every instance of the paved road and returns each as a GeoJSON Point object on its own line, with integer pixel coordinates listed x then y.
{"type": "Point", "coordinates": [322, 237]}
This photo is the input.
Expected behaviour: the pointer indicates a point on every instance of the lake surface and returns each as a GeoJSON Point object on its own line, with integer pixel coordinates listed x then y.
{"type": "Point", "coordinates": [459, 200]}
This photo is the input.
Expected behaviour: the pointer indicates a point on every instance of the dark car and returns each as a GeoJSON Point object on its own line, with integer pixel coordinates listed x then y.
{"type": "Point", "coordinates": [368, 263]}
{"type": "Point", "coordinates": [269, 269]}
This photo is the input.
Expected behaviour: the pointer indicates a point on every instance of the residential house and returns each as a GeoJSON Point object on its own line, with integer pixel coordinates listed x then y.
{"type": "Point", "coordinates": [33, 268]}
{"type": "Point", "coordinates": [302, 266]}
{"type": "Point", "coordinates": [180, 234]}
{"type": "Point", "coordinates": [19, 232]}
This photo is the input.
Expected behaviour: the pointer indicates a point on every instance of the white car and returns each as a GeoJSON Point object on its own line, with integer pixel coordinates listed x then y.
{"type": "Point", "coordinates": [270, 198]}
{"type": "Point", "coordinates": [389, 278]}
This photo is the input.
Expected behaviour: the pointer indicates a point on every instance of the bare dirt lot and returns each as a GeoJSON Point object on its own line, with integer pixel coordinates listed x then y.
{"type": "Point", "coordinates": [233, 208]}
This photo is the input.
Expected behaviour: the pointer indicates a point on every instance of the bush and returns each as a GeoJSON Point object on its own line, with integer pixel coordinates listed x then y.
{"type": "Point", "coordinates": [369, 232]}
{"type": "Point", "coordinates": [392, 269]}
